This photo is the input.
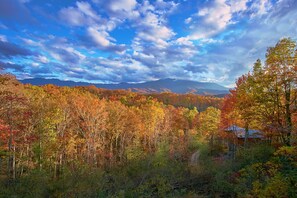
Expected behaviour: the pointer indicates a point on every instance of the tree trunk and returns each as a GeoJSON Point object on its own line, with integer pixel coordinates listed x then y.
{"type": "Point", "coordinates": [288, 116]}
{"type": "Point", "coordinates": [246, 135]}
{"type": "Point", "coordinates": [11, 160]}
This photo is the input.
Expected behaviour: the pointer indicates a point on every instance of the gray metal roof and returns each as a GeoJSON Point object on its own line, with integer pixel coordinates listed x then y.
{"type": "Point", "coordinates": [240, 132]}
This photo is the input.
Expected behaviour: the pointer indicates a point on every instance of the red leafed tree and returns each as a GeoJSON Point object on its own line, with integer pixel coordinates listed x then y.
{"type": "Point", "coordinates": [12, 108]}
{"type": "Point", "coordinates": [4, 136]}
{"type": "Point", "coordinates": [230, 115]}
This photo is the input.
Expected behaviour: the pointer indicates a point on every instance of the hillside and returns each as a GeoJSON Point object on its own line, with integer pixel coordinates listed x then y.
{"type": "Point", "coordinates": [163, 85]}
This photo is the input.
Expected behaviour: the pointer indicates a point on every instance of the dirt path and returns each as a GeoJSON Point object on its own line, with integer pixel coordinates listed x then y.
{"type": "Point", "coordinates": [195, 158]}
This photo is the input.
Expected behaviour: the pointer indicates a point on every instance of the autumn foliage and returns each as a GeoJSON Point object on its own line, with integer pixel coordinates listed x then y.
{"type": "Point", "coordinates": [90, 142]}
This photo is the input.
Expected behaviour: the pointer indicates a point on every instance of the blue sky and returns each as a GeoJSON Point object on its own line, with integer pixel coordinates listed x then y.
{"type": "Point", "coordinates": [134, 41]}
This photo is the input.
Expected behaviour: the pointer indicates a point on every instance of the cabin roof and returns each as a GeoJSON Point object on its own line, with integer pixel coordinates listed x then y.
{"type": "Point", "coordinates": [240, 132]}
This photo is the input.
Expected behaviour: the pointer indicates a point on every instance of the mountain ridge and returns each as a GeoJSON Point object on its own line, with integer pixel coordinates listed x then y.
{"type": "Point", "coordinates": [162, 85]}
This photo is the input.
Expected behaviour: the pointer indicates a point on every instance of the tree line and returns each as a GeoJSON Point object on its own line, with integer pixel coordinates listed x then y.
{"type": "Point", "coordinates": [90, 142]}
{"type": "Point", "coordinates": [265, 98]}
{"type": "Point", "coordinates": [52, 127]}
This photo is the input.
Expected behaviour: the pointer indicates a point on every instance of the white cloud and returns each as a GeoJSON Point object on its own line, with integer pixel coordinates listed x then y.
{"type": "Point", "coordinates": [155, 33]}
{"type": "Point", "coordinates": [75, 52]}
{"type": "Point", "coordinates": [124, 69]}
{"type": "Point", "coordinates": [34, 64]}
{"type": "Point", "coordinates": [100, 38]}
{"type": "Point", "coordinates": [219, 16]}
{"type": "Point", "coordinates": [65, 54]}
{"type": "Point", "coordinates": [238, 5]}
{"type": "Point", "coordinates": [184, 41]}
{"type": "Point", "coordinates": [97, 28]}
{"type": "Point", "coordinates": [42, 59]}
{"type": "Point", "coordinates": [260, 7]}
{"type": "Point", "coordinates": [122, 9]}
{"type": "Point", "coordinates": [152, 27]}
{"type": "Point", "coordinates": [155, 45]}
{"type": "Point", "coordinates": [30, 42]}
{"type": "Point", "coordinates": [86, 8]}
{"type": "Point", "coordinates": [81, 15]}
{"type": "Point", "coordinates": [249, 45]}
{"type": "Point", "coordinates": [188, 20]}
{"type": "Point", "coordinates": [215, 17]}
{"type": "Point", "coordinates": [73, 16]}
{"type": "Point", "coordinates": [150, 19]}
{"type": "Point", "coordinates": [157, 50]}
{"type": "Point", "coordinates": [146, 7]}
{"type": "Point", "coordinates": [3, 38]}
{"type": "Point", "coordinates": [122, 5]}
{"type": "Point", "coordinates": [165, 7]}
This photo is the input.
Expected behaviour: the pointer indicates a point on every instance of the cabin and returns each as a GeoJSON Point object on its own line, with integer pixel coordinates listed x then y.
{"type": "Point", "coordinates": [237, 137]}
{"type": "Point", "coordinates": [239, 133]}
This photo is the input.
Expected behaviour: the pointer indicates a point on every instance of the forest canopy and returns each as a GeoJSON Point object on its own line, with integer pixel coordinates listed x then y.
{"type": "Point", "coordinates": [84, 141]}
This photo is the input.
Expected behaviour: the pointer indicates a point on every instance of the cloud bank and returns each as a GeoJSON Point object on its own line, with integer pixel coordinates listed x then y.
{"type": "Point", "coordinates": [132, 41]}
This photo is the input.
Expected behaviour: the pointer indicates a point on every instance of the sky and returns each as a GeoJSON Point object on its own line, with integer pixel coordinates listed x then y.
{"type": "Point", "coordinates": [112, 41]}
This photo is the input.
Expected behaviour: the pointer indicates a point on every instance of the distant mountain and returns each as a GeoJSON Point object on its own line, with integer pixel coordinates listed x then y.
{"type": "Point", "coordinates": [163, 85]}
